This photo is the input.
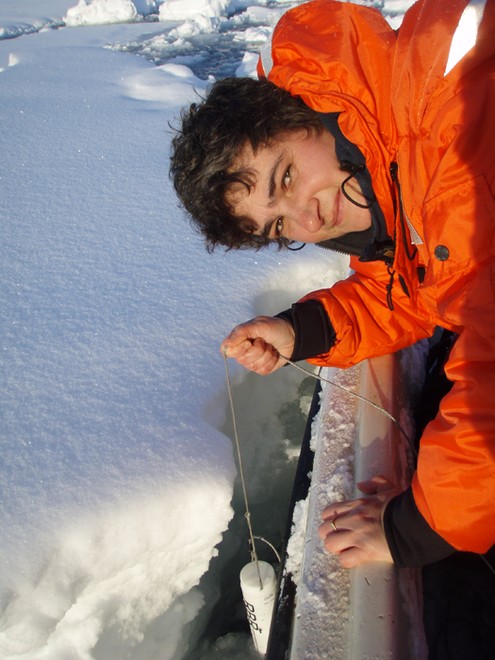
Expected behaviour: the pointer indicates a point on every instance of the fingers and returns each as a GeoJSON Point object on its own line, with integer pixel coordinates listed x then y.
{"type": "Point", "coordinates": [352, 530]}
{"type": "Point", "coordinates": [238, 341]}
{"type": "Point", "coordinates": [341, 522]}
{"type": "Point", "coordinates": [256, 355]}
{"type": "Point", "coordinates": [339, 508]}
{"type": "Point", "coordinates": [354, 547]}
{"type": "Point", "coordinates": [259, 357]}
{"type": "Point", "coordinates": [257, 344]}
{"type": "Point", "coordinates": [352, 557]}
{"type": "Point", "coordinates": [376, 484]}
{"type": "Point", "coordinates": [338, 542]}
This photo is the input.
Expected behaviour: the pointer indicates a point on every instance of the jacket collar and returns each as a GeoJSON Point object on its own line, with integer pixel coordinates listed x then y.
{"type": "Point", "coordinates": [374, 243]}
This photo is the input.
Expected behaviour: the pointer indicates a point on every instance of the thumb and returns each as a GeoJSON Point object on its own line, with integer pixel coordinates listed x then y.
{"type": "Point", "coordinates": [375, 485]}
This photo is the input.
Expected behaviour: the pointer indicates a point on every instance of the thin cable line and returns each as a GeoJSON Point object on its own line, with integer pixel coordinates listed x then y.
{"type": "Point", "coordinates": [270, 545]}
{"type": "Point", "coordinates": [247, 514]}
{"type": "Point", "coordinates": [358, 396]}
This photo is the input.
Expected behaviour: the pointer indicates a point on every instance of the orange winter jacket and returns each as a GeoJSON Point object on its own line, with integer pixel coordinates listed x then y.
{"type": "Point", "coordinates": [422, 97]}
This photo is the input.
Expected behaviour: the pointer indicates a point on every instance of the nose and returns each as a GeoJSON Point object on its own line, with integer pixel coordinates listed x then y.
{"type": "Point", "coordinates": [306, 216]}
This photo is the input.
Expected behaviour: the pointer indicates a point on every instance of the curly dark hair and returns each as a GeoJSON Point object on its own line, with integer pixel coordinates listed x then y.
{"type": "Point", "coordinates": [236, 112]}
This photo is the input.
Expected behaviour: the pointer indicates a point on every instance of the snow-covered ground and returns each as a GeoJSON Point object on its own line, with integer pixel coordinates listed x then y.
{"type": "Point", "coordinates": [117, 475]}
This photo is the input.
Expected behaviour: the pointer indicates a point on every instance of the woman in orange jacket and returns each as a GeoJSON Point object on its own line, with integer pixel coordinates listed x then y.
{"type": "Point", "coordinates": [379, 144]}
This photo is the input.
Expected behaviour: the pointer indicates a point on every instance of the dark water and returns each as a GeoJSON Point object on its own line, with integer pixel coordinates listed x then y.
{"type": "Point", "coordinates": [271, 420]}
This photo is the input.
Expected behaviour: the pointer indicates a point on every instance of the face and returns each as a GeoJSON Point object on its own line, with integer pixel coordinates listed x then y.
{"type": "Point", "coordinates": [295, 192]}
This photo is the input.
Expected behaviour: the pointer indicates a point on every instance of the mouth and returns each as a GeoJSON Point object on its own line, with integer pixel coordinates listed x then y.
{"type": "Point", "coordinates": [337, 209]}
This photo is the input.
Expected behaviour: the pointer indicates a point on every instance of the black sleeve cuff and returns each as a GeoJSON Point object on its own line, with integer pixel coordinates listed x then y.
{"type": "Point", "coordinates": [412, 542]}
{"type": "Point", "coordinates": [314, 332]}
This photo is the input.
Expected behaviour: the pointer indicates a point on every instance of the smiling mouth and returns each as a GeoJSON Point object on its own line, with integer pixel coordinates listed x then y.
{"type": "Point", "coordinates": [337, 210]}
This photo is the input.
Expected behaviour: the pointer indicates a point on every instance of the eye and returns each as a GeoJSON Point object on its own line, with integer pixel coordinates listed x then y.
{"type": "Point", "coordinates": [286, 178]}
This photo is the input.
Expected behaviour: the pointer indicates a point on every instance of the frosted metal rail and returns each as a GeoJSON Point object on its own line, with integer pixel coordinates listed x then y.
{"type": "Point", "coordinates": [371, 612]}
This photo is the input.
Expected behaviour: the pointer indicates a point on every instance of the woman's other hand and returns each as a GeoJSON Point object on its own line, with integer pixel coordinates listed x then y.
{"type": "Point", "coordinates": [353, 530]}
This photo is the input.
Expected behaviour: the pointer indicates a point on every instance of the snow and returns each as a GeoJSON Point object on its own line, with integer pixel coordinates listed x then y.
{"type": "Point", "coordinates": [180, 10]}
{"type": "Point", "coordinates": [117, 474]}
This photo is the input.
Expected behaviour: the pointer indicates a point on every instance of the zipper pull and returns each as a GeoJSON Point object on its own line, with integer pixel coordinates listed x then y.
{"type": "Point", "coordinates": [390, 302]}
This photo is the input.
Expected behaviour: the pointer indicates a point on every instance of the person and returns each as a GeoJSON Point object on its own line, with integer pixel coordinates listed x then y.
{"type": "Point", "coordinates": [377, 143]}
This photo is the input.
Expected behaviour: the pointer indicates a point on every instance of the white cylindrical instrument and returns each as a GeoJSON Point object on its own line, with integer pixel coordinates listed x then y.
{"type": "Point", "coordinates": [259, 599]}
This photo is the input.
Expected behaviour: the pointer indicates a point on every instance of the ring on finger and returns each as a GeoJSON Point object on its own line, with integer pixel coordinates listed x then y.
{"type": "Point", "coordinates": [333, 525]}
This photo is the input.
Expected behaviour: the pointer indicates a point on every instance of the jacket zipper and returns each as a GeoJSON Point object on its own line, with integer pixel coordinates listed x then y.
{"type": "Point", "coordinates": [394, 169]}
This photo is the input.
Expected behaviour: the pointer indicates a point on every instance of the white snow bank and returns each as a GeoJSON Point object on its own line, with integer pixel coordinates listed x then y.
{"type": "Point", "coordinates": [168, 84]}
{"type": "Point", "coordinates": [27, 16]}
{"type": "Point", "coordinates": [180, 10]}
{"type": "Point", "coordinates": [96, 12]}
{"type": "Point", "coordinates": [115, 571]}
